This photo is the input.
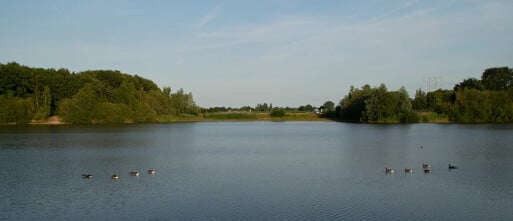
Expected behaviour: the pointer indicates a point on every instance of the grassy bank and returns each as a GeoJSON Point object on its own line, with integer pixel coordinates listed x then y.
{"type": "Point", "coordinates": [424, 117]}
{"type": "Point", "coordinates": [432, 117]}
{"type": "Point", "coordinates": [251, 116]}
{"type": "Point", "coordinates": [237, 116]}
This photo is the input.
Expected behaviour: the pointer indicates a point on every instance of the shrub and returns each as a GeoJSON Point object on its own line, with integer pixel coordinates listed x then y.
{"type": "Point", "coordinates": [278, 113]}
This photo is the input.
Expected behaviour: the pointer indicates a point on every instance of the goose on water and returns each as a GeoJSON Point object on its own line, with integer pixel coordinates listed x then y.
{"type": "Point", "coordinates": [452, 167]}
{"type": "Point", "coordinates": [151, 171]}
{"type": "Point", "coordinates": [426, 166]}
{"type": "Point", "coordinates": [114, 177]}
{"type": "Point", "coordinates": [408, 170]}
{"type": "Point", "coordinates": [389, 170]}
{"type": "Point", "coordinates": [134, 173]}
{"type": "Point", "coordinates": [87, 176]}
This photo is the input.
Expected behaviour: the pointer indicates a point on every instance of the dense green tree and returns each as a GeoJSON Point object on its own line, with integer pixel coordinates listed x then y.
{"type": "Point", "coordinates": [306, 108]}
{"type": "Point", "coordinates": [42, 101]}
{"type": "Point", "coordinates": [375, 108]}
{"type": "Point", "coordinates": [377, 105]}
{"type": "Point", "coordinates": [440, 101]}
{"type": "Point", "coordinates": [474, 106]}
{"type": "Point", "coordinates": [403, 101]}
{"type": "Point", "coordinates": [329, 106]}
{"type": "Point", "coordinates": [113, 113]}
{"type": "Point", "coordinates": [278, 112]}
{"type": "Point", "coordinates": [125, 93]}
{"type": "Point", "coordinates": [353, 104]}
{"type": "Point", "coordinates": [469, 83]}
{"type": "Point", "coordinates": [15, 109]}
{"type": "Point", "coordinates": [83, 107]}
{"type": "Point", "coordinates": [246, 108]}
{"type": "Point", "coordinates": [96, 96]}
{"type": "Point", "coordinates": [499, 78]}
{"type": "Point", "coordinates": [262, 107]}
{"type": "Point", "coordinates": [419, 103]}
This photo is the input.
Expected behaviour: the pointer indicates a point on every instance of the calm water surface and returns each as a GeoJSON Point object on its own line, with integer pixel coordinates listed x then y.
{"type": "Point", "coordinates": [256, 171]}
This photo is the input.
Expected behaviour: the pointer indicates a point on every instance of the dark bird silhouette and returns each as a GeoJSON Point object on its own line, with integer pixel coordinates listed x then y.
{"type": "Point", "coordinates": [452, 167]}
{"type": "Point", "coordinates": [87, 176]}
{"type": "Point", "coordinates": [389, 170]}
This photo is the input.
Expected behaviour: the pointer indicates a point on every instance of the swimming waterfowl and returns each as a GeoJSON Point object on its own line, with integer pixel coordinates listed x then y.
{"type": "Point", "coordinates": [408, 170]}
{"type": "Point", "coordinates": [134, 173]}
{"type": "Point", "coordinates": [114, 177]}
{"type": "Point", "coordinates": [151, 171]}
{"type": "Point", "coordinates": [427, 170]}
{"type": "Point", "coordinates": [452, 167]}
{"type": "Point", "coordinates": [87, 176]}
{"type": "Point", "coordinates": [389, 170]}
{"type": "Point", "coordinates": [426, 166]}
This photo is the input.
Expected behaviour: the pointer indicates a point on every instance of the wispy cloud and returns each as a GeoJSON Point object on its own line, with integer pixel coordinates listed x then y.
{"type": "Point", "coordinates": [393, 12]}
{"type": "Point", "coordinates": [210, 16]}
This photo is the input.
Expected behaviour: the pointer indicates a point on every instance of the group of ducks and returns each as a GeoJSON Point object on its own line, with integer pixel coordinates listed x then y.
{"type": "Point", "coordinates": [426, 167]}
{"type": "Point", "coordinates": [115, 177]}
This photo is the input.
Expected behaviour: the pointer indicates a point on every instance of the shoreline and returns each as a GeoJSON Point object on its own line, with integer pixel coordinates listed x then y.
{"type": "Point", "coordinates": [237, 117]}
{"type": "Point", "coordinates": [199, 120]}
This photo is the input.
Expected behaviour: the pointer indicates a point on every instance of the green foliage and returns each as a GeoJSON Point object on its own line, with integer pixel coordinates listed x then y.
{"type": "Point", "coordinates": [419, 103]}
{"type": "Point", "coordinates": [472, 101]}
{"type": "Point", "coordinates": [100, 96]}
{"type": "Point", "coordinates": [328, 106]}
{"type": "Point", "coordinates": [42, 101]}
{"type": "Point", "coordinates": [306, 108]}
{"type": "Point", "coordinates": [470, 83]}
{"type": "Point", "coordinates": [83, 107]}
{"type": "Point", "coordinates": [410, 117]}
{"type": "Point", "coordinates": [278, 112]}
{"type": "Point", "coordinates": [432, 117]}
{"type": "Point", "coordinates": [231, 116]}
{"type": "Point", "coordinates": [262, 107]}
{"type": "Point", "coordinates": [500, 78]}
{"type": "Point", "coordinates": [474, 106]}
{"type": "Point", "coordinates": [113, 113]}
{"type": "Point", "coordinates": [376, 105]}
{"type": "Point", "coordinates": [440, 101]}
{"type": "Point", "coordinates": [144, 113]}
{"type": "Point", "coordinates": [353, 104]}
{"type": "Point", "coordinates": [15, 109]}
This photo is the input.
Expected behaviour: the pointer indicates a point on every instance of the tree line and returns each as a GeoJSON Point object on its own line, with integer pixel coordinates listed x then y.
{"type": "Point", "coordinates": [99, 96]}
{"type": "Point", "coordinates": [485, 100]}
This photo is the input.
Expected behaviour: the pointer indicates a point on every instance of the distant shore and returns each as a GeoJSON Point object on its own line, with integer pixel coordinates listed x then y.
{"type": "Point", "coordinates": [237, 116]}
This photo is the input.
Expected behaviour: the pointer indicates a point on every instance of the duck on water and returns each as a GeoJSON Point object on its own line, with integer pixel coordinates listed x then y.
{"type": "Point", "coordinates": [452, 167]}
{"type": "Point", "coordinates": [87, 176]}
{"type": "Point", "coordinates": [389, 170]}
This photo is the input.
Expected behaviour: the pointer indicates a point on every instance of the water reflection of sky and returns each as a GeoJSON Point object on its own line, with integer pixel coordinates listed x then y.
{"type": "Point", "coordinates": [257, 170]}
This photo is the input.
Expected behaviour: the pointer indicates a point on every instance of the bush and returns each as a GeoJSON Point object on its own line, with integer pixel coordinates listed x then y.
{"type": "Point", "coordinates": [230, 116]}
{"type": "Point", "coordinates": [278, 113]}
{"type": "Point", "coordinates": [410, 117]}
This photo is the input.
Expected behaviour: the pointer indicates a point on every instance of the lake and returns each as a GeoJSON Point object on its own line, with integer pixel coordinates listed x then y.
{"type": "Point", "coordinates": [256, 171]}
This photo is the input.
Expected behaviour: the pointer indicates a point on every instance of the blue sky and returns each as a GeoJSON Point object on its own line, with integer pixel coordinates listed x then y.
{"type": "Point", "coordinates": [288, 53]}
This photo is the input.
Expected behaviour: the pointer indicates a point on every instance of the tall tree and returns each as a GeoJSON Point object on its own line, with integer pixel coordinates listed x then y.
{"type": "Point", "coordinates": [329, 106]}
{"type": "Point", "coordinates": [499, 78]}
{"type": "Point", "coordinates": [419, 102]}
{"type": "Point", "coordinates": [469, 83]}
